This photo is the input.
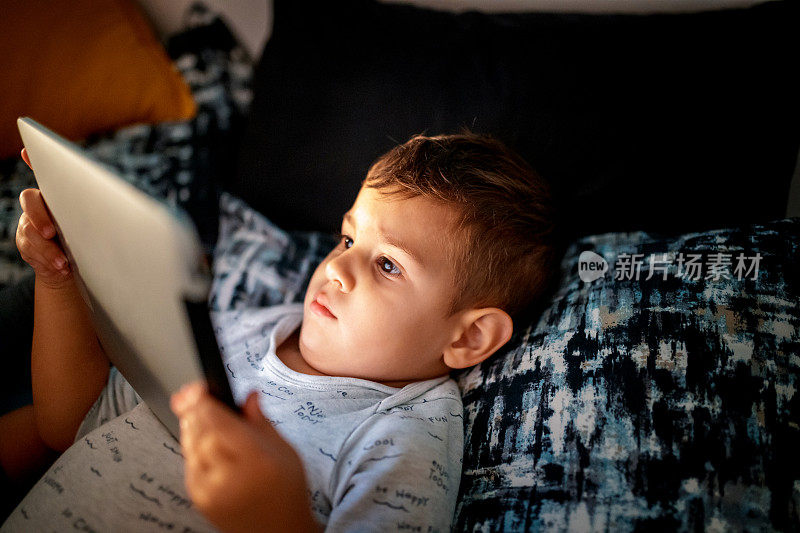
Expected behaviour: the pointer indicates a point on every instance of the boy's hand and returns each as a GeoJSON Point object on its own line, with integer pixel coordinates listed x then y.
{"type": "Point", "coordinates": [35, 239]}
{"type": "Point", "coordinates": [240, 473]}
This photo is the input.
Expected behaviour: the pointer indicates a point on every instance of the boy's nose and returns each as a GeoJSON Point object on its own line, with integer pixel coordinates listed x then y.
{"type": "Point", "coordinates": [338, 272]}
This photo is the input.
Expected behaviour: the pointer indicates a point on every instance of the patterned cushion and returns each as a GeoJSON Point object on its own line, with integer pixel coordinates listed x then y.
{"type": "Point", "coordinates": [633, 404]}
{"type": "Point", "coordinates": [666, 402]}
{"type": "Point", "coordinates": [256, 264]}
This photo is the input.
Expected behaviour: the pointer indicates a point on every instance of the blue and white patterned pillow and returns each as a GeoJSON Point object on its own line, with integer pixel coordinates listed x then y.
{"type": "Point", "coordinates": [257, 264]}
{"type": "Point", "coordinates": [636, 404]}
{"type": "Point", "coordinates": [632, 404]}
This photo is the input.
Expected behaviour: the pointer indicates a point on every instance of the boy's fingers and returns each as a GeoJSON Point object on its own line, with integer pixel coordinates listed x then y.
{"type": "Point", "coordinates": [201, 414]}
{"type": "Point", "coordinates": [216, 445]}
{"type": "Point", "coordinates": [259, 422]}
{"type": "Point", "coordinates": [252, 411]}
{"type": "Point", "coordinates": [213, 413]}
{"type": "Point", "coordinates": [202, 411]}
{"type": "Point", "coordinates": [26, 158]}
{"type": "Point", "coordinates": [44, 251]}
{"type": "Point", "coordinates": [186, 397]}
{"type": "Point", "coordinates": [34, 207]}
{"type": "Point", "coordinates": [41, 257]}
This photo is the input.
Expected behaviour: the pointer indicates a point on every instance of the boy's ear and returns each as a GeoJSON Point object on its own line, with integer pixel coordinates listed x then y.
{"type": "Point", "coordinates": [482, 332]}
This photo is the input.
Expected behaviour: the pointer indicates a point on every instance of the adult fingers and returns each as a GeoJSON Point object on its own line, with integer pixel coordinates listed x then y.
{"type": "Point", "coordinates": [33, 205]}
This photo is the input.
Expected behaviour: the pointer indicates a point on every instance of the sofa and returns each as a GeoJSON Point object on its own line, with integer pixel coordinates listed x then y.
{"type": "Point", "coordinates": [657, 392]}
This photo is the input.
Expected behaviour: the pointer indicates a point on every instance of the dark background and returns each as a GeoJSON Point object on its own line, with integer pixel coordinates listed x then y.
{"type": "Point", "coordinates": [666, 122]}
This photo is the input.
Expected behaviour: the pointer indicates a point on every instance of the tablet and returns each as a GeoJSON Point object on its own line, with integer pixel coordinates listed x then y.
{"type": "Point", "coordinates": [140, 268]}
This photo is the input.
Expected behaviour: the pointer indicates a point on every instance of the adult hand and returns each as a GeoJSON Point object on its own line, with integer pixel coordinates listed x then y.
{"type": "Point", "coordinates": [239, 472]}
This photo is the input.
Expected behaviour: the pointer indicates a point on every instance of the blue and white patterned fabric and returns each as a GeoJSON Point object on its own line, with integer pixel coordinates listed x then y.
{"type": "Point", "coordinates": [257, 264]}
{"type": "Point", "coordinates": [632, 403]}
{"type": "Point", "coordinates": [647, 404]}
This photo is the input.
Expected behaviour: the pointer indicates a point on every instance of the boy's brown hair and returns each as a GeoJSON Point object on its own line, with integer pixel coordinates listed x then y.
{"type": "Point", "coordinates": [507, 253]}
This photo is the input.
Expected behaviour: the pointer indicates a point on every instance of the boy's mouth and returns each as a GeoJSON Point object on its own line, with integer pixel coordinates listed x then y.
{"type": "Point", "coordinates": [320, 306]}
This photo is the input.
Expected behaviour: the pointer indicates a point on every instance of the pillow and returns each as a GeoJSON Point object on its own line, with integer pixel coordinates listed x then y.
{"type": "Point", "coordinates": [658, 122]}
{"type": "Point", "coordinates": [631, 404]}
{"type": "Point", "coordinates": [83, 66]}
{"type": "Point", "coordinates": [257, 264]}
{"type": "Point", "coordinates": [176, 161]}
{"type": "Point", "coordinates": [668, 403]}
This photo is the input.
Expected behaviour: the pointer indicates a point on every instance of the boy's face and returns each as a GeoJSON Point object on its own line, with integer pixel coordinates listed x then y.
{"type": "Point", "coordinates": [376, 306]}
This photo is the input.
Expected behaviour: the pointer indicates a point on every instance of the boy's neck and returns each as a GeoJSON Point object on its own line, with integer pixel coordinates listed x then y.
{"type": "Point", "coordinates": [289, 354]}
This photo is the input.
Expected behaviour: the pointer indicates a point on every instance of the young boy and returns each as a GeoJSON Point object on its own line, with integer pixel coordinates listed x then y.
{"type": "Point", "coordinates": [448, 238]}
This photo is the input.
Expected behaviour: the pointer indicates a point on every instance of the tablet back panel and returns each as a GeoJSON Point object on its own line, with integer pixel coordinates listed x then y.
{"type": "Point", "coordinates": [136, 262]}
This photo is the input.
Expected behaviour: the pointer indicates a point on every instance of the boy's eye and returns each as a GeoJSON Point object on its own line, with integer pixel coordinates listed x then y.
{"type": "Point", "coordinates": [385, 265]}
{"type": "Point", "coordinates": [388, 267]}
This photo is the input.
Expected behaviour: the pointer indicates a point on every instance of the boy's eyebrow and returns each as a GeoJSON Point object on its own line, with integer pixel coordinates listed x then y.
{"type": "Point", "coordinates": [391, 241]}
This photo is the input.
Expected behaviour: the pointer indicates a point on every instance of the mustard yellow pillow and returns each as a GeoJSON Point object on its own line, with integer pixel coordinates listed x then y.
{"type": "Point", "coordinates": [83, 66]}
